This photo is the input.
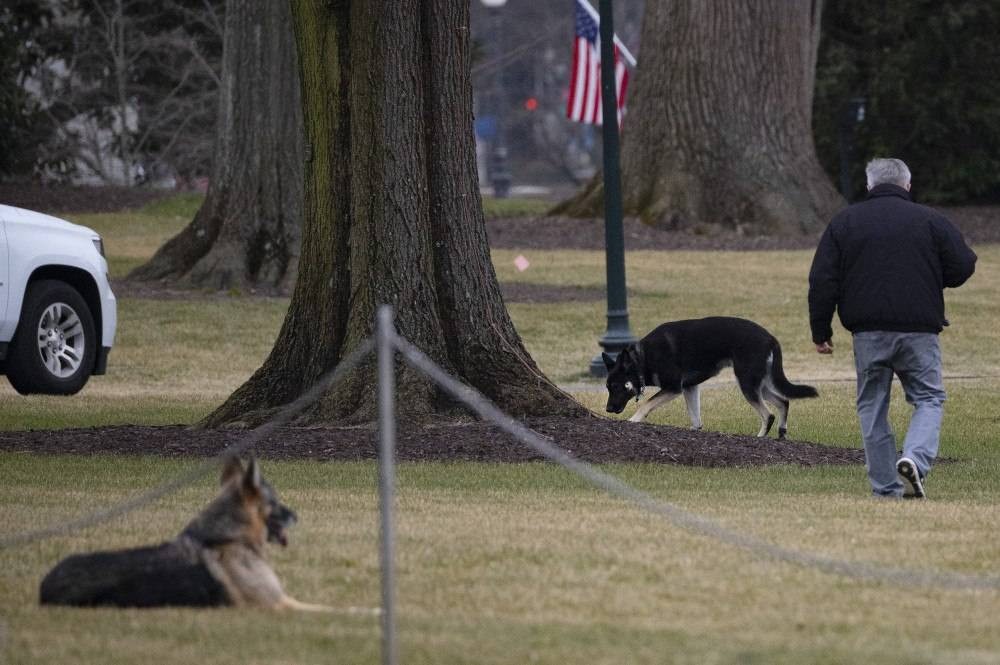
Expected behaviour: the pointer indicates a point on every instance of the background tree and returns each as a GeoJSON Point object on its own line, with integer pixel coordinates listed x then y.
{"type": "Point", "coordinates": [128, 89]}
{"type": "Point", "coordinates": [247, 232]}
{"type": "Point", "coordinates": [392, 215]}
{"type": "Point", "coordinates": [719, 130]}
{"type": "Point", "coordinates": [924, 71]}
{"type": "Point", "coordinates": [22, 22]}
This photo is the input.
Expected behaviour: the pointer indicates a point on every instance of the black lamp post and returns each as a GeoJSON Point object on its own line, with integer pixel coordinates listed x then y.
{"type": "Point", "coordinates": [618, 334]}
{"type": "Point", "coordinates": [499, 172]}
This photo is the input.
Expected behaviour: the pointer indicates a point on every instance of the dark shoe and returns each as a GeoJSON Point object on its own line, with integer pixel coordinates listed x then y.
{"type": "Point", "coordinates": [908, 471]}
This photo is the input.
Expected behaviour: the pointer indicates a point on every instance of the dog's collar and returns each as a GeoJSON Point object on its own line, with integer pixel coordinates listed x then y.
{"type": "Point", "coordinates": [204, 540]}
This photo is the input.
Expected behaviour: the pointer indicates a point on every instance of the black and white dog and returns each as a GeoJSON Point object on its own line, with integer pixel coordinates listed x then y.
{"type": "Point", "coordinates": [679, 355]}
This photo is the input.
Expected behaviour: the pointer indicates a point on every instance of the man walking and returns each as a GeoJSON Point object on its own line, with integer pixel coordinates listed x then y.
{"type": "Point", "coordinates": [883, 265]}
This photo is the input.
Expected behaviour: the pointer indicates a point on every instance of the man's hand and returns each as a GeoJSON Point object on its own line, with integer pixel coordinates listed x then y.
{"type": "Point", "coordinates": [825, 348]}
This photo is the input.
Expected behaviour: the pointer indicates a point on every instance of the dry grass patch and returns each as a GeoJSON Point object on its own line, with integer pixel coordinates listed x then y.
{"type": "Point", "coordinates": [523, 563]}
{"type": "Point", "coordinates": [173, 362]}
{"type": "Point", "coordinates": [768, 287]}
{"type": "Point", "coordinates": [130, 238]}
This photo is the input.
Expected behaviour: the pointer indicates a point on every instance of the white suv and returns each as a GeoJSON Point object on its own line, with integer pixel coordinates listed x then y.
{"type": "Point", "coordinates": [57, 312]}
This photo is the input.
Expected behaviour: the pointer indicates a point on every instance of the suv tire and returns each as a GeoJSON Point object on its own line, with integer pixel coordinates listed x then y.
{"type": "Point", "coordinates": [55, 343]}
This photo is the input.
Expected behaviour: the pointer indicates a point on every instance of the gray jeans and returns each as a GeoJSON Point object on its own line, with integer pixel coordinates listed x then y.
{"type": "Point", "coordinates": [916, 359]}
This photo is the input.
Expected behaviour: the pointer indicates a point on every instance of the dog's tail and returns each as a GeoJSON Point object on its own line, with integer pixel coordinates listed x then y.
{"type": "Point", "coordinates": [781, 383]}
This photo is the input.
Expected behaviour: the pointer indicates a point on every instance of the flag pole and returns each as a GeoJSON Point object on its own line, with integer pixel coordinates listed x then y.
{"type": "Point", "coordinates": [618, 334]}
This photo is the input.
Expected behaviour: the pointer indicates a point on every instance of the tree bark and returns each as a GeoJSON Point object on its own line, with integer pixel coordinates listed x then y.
{"type": "Point", "coordinates": [719, 128]}
{"type": "Point", "coordinates": [247, 233]}
{"type": "Point", "coordinates": [392, 215]}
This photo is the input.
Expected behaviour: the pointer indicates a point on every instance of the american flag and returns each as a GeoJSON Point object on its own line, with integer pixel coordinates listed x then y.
{"type": "Point", "coordinates": [584, 103]}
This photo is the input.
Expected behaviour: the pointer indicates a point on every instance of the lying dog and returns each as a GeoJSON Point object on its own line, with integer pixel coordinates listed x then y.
{"type": "Point", "coordinates": [679, 355]}
{"type": "Point", "coordinates": [217, 560]}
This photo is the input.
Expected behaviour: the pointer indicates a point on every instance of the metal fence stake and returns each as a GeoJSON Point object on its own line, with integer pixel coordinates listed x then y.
{"type": "Point", "coordinates": [386, 351]}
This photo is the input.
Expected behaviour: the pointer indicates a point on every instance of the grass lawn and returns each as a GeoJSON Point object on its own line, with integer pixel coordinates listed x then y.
{"type": "Point", "coordinates": [521, 563]}
{"type": "Point", "coordinates": [524, 563]}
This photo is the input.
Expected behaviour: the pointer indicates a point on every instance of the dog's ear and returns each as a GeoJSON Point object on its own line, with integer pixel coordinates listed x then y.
{"type": "Point", "coordinates": [251, 479]}
{"type": "Point", "coordinates": [609, 362]}
{"type": "Point", "coordinates": [232, 469]}
{"type": "Point", "coordinates": [625, 357]}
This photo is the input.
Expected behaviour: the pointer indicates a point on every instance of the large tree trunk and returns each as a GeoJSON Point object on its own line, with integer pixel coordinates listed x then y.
{"type": "Point", "coordinates": [247, 232]}
{"type": "Point", "coordinates": [719, 129]}
{"type": "Point", "coordinates": [392, 215]}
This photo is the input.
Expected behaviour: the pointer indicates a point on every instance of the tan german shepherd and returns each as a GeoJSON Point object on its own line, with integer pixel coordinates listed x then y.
{"type": "Point", "coordinates": [217, 560]}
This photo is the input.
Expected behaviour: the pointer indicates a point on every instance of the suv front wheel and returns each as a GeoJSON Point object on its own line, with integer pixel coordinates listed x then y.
{"type": "Point", "coordinates": [55, 344]}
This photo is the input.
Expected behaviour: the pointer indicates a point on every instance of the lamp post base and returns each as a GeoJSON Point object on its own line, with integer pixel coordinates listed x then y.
{"type": "Point", "coordinates": [616, 338]}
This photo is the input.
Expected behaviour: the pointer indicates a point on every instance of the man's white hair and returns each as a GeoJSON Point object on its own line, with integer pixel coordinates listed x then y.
{"type": "Point", "coordinates": [881, 171]}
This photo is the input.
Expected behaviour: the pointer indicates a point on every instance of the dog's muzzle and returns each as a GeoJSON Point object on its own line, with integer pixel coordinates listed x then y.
{"type": "Point", "coordinates": [618, 399]}
{"type": "Point", "coordinates": [277, 524]}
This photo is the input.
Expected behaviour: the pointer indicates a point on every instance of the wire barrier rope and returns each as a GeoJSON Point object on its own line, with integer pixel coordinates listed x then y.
{"type": "Point", "coordinates": [287, 412]}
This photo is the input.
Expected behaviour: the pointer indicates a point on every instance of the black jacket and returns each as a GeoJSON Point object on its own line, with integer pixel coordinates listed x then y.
{"type": "Point", "coordinates": [883, 264]}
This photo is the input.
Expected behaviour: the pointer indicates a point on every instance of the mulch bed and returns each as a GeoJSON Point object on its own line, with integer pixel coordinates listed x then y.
{"type": "Point", "coordinates": [544, 233]}
{"type": "Point", "coordinates": [595, 439]}
{"type": "Point", "coordinates": [979, 224]}
{"type": "Point", "coordinates": [58, 199]}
